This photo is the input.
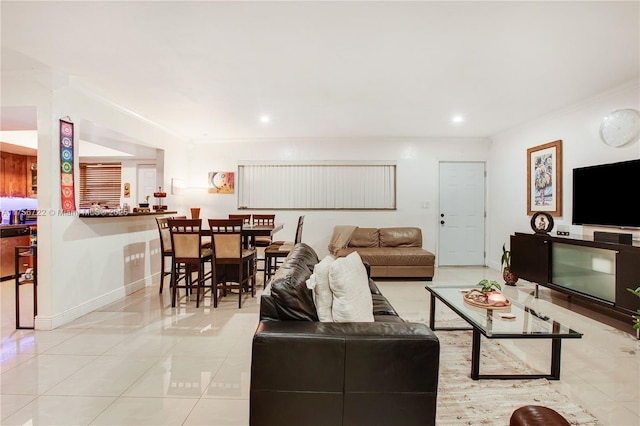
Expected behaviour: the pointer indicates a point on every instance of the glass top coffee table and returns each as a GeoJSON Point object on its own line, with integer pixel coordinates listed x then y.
{"type": "Point", "coordinates": [493, 324]}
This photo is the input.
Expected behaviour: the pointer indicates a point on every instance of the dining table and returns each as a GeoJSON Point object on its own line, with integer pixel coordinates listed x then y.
{"type": "Point", "coordinates": [250, 232]}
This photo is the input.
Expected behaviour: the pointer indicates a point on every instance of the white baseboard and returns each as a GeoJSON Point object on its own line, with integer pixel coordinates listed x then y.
{"type": "Point", "coordinates": [55, 321]}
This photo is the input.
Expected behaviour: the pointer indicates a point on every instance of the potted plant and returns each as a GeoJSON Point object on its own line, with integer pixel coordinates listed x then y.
{"type": "Point", "coordinates": [636, 318]}
{"type": "Point", "coordinates": [505, 263]}
{"type": "Point", "coordinates": [487, 296]}
{"type": "Point", "coordinates": [488, 286]}
{"type": "Point", "coordinates": [146, 203]}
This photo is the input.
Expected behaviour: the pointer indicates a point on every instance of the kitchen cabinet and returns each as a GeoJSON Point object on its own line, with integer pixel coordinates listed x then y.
{"type": "Point", "coordinates": [13, 172]}
{"type": "Point", "coordinates": [627, 276]}
{"type": "Point", "coordinates": [531, 259]}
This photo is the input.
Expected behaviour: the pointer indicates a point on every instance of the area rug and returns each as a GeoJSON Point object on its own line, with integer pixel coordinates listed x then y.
{"type": "Point", "coordinates": [462, 401]}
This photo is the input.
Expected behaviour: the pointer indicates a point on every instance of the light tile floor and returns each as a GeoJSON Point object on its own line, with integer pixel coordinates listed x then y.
{"type": "Point", "coordinates": [140, 362]}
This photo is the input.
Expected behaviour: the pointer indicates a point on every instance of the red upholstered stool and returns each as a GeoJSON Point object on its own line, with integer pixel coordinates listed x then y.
{"type": "Point", "coordinates": [535, 415]}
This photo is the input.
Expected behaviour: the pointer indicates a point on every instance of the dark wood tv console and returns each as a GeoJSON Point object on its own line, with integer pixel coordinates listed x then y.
{"type": "Point", "coordinates": [577, 265]}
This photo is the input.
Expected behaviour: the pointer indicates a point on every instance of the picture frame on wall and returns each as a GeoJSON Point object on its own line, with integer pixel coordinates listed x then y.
{"type": "Point", "coordinates": [221, 182]}
{"type": "Point", "coordinates": [177, 186]}
{"type": "Point", "coordinates": [544, 179]}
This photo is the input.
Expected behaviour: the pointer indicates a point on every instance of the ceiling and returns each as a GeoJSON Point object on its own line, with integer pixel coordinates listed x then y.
{"type": "Point", "coordinates": [208, 71]}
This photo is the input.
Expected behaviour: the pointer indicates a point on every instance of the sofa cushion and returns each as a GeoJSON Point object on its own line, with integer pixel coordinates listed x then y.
{"type": "Point", "coordinates": [303, 253]}
{"type": "Point", "coordinates": [381, 305]}
{"type": "Point", "coordinates": [402, 256]}
{"type": "Point", "coordinates": [373, 287]}
{"type": "Point", "coordinates": [291, 297]}
{"type": "Point", "coordinates": [400, 237]}
{"type": "Point", "coordinates": [349, 283]}
{"type": "Point", "coordinates": [387, 318]}
{"type": "Point", "coordinates": [319, 283]}
{"type": "Point", "coordinates": [364, 237]}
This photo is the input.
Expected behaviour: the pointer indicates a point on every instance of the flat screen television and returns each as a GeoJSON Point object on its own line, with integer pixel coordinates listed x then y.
{"type": "Point", "coordinates": [607, 195]}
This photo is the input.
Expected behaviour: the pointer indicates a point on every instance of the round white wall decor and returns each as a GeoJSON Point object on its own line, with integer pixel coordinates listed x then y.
{"type": "Point", "coordinates": [620, 127]}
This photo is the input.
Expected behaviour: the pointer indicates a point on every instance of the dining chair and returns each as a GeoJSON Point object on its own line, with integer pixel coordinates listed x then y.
{"type": "Point", "coordinates": [246, 218]}
{"type": "Point", "coordinates": [233, 265]}
{"type": "Point", "coordinates": [275, 253]}
{"type": "Point", "coordinates": [206, 243]}
{"type": "Point", "coordinates": [188, 256]}
{"type": "Point", "coordinates": [165, 247]}
{"type": "Point", "coordinates": [264, 219]}
{"type": "Point", "coordinates": [263, 241]}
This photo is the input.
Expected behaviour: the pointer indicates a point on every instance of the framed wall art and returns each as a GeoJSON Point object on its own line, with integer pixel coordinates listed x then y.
{"type": "Point", "coordinates": [544, 179]}
{"type": "Point", "coordinates": [177, 186]}
{"type": "Point", "coordinates": [221, 182]}
{"type": "Point", "coordinates": [68, 197]}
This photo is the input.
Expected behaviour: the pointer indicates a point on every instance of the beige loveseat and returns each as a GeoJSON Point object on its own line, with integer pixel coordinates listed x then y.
{"type": "Point", "coordinates": [391, 252]}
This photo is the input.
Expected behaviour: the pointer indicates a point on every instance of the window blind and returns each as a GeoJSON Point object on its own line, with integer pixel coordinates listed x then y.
{"type": "Point", "coordinates": [100, 183]}
{"type": "Point", "coordinates": [330, 186]}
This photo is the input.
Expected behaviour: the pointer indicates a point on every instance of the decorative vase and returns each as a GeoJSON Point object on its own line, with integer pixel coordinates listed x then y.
{"type": "Point", "coordinates": [509, 277]}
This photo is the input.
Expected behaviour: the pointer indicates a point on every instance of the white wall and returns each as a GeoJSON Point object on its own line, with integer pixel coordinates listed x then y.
{"type": "Point", "coordinates": [578, 128]}
{"type": "Point", "coordinates": [417, 180]}
{"type": "Point", "coordinates": [83, 264]}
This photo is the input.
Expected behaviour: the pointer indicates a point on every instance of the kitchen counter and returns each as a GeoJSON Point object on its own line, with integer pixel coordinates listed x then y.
{"type": "Point", "coordinates": [116, 214]}
{"type": "Point", "coordinates": [17, 226]}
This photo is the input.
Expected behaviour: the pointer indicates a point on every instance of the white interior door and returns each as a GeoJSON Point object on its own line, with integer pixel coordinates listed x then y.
{"type": "Point", "coordinates": [462, 213]}
{"type": "Point", "coordinates": [146, 183]}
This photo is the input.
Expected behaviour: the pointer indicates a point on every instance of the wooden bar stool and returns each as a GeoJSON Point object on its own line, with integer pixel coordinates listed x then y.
{"type": "Point", "coordinates": [275, 254]}
{"type": "Point", "coordinates": [189, 257]}
{"type": "Point", "coordinates": [246, 218]}
{"type": "Point", "coordinates": [233, 264]}
{"type": "Point", "coordinates": [165, 247]}
{"type": "Point", "coordinates": [265, 241]}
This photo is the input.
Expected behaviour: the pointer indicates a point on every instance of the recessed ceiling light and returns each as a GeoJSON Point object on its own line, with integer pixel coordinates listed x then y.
{"type": "Point", "coordinates": [265, 119]}
{"type": "Point", "coordinates": [457, 119]}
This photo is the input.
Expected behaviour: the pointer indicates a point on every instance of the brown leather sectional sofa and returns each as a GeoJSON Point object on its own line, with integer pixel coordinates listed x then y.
{"type": "Point", "coordinates": [311, 373]}
{"type": "Point", "coordinates": [391, 252]}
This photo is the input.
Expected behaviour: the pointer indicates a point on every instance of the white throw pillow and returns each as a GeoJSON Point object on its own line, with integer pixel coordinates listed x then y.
{"type": "Point", "coordinates": [350, 286]}
{"type": "Point", "coordinates": [319, 283]}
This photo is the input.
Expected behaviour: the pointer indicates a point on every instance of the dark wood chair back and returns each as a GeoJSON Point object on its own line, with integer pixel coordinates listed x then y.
{"type": "Point", "coordinates": [264, 219]}
{"type": "Point", "coordinates": [165, 247]}
{"type": "Point", "coordinates": [299, 230]}
{"type": "Point", "coordinates": [233, 265]}
{"type": "Point", "coordinates": [246, 218]}
{"type": "Point", "coordinates": [188, 256]}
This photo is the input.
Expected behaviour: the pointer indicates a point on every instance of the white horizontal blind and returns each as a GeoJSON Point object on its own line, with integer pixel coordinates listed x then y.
{"type": "Point", "coordinates": [100, 183]}
{"type": "Point", "coordinates": [328, 186]}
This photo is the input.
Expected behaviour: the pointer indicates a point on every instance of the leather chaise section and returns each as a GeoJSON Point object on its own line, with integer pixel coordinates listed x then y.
{"type": "Point", "coordinates": [391, 252]}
